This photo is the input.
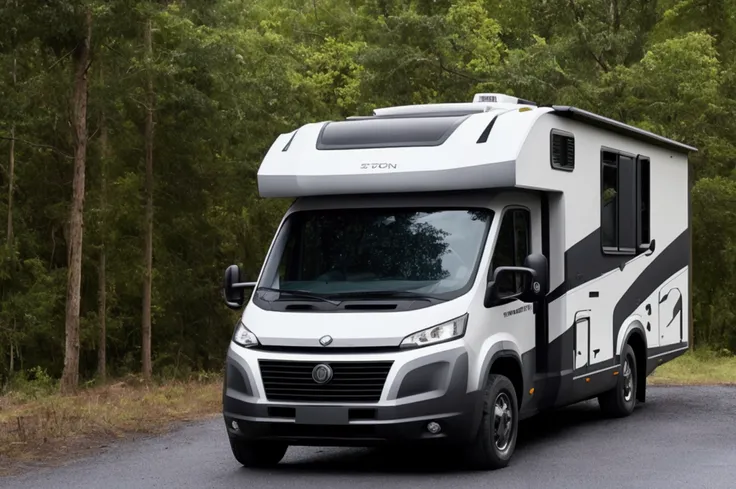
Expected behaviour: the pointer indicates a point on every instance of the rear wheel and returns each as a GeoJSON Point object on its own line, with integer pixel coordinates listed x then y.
{"type": "Point", "coordinates": [496, 440]}
{"type": "Point", "coordinates": [257, 454]}
{"type": "Point", "coordinates": [621, 400]}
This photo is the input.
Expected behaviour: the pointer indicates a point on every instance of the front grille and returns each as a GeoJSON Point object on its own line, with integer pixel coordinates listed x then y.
{"type": "Point", "coordinates": [351, 381]}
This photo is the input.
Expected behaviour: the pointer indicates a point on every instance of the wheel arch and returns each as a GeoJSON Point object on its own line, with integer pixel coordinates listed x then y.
{"type": "Point", "coordinates": [507, 362]}
{"type": "Point", "coordinates": [636, 337]}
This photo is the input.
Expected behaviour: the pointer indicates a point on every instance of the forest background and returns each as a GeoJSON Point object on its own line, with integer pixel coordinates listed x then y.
{"type": "Point", "coordinates": [131, 133]}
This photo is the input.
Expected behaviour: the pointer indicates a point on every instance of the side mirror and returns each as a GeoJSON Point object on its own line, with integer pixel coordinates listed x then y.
{"type": "Point", "coordinates": [539, 287]}
{"type": "Point", "coordinates": [509, 283]}
{"type": "Point", "coordinates": [528, 283]}
{"type": "Point", "coordinates": [234, 289]}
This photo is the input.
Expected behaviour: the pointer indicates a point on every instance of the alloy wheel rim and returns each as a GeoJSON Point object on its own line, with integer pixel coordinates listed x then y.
{"type": "Point", "coordinates": [502, 422]}
{"type": "Point", "coordinates": [628, 381]}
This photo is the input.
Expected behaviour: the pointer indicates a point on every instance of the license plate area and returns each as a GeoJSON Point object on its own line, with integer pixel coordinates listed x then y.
{"type": "Point", "coordinates": [321, 415]}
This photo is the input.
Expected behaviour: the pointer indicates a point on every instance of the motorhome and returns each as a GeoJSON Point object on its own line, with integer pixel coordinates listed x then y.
{"type": "Point", "coordinates": [445, 271]}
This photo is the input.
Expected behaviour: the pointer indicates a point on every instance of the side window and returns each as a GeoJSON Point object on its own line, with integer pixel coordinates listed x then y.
{"type": "Point", "coordinates": [287, 269]}
{"type": "Point", "coordinates": [512, 246]}
{"type": "Point", "coordinates": [609, 202]}
{"type": "Point", "coordinates": [643, 187]}
{"type": "Point", "coordinates": [620, 217]}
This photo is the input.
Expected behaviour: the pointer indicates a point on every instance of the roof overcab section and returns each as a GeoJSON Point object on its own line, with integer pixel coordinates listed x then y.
{"type": "Point", "coordinates": [451, 150]}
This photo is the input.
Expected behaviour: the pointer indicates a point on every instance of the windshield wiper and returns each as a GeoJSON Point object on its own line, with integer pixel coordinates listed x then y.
{"type": "Point", "coordinates": [399, 294]}
{"type": "Point", "coordinates": [298, 293]}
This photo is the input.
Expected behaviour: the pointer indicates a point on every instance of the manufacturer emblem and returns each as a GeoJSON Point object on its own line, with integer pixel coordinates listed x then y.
{"type": "Point", "coordinates": [325, 340]}
{"type": "Point", "coordinates": [322, 373]}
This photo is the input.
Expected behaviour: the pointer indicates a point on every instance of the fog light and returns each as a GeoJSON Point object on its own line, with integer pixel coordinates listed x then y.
{"type": "Point", "coordinates": [433, 427]}
{"type": "Point", "coordinates": [235, 426]}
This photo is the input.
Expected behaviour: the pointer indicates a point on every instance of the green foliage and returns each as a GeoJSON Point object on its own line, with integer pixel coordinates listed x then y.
{"type": "Point", "coordinates": [230, 75]}
{"type": "Point", "coordinates": [35, 383]}
{"type": "Point", "coordinates": [714, 232]}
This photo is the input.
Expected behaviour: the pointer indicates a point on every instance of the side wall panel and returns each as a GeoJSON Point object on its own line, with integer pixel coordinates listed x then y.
{"type": "Point", "coordinates": [617, 291]}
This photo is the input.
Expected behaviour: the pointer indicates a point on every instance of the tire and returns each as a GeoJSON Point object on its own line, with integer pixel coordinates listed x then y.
{"type": "Point", "coordinates": [621, 400]}
{"type": "Point", "coordinates": [257, 454]}
{"type": "Point", "coordinates": [492, 449]}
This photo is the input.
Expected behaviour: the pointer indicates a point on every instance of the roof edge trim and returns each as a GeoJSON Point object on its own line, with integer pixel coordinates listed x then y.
{"type": "Point", "coordinates": [619, 127]}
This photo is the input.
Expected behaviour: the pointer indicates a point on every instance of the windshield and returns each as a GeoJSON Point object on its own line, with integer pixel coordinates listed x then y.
{"type": "Point", "coordinates": [359, 251]}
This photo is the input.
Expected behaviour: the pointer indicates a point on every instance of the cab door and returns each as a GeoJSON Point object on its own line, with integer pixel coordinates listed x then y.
{"type": "Point", "coordinates": [519, 234]}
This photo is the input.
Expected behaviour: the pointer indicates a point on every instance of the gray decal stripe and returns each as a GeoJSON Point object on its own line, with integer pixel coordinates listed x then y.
{"type": "Point", "coordinates": [502, 174]}
{"type": "Point", "coordinates": [588, 374]}
{"type": "Point", "coordinates": [667, 263]}
{"type": "Point", "coordinates": [669, 351]}
{"type": "Point", "coordinates": [663, 350]}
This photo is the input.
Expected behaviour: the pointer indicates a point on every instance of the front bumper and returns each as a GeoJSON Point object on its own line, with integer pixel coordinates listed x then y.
{"type": "Point", "coordinates": [423, 385]}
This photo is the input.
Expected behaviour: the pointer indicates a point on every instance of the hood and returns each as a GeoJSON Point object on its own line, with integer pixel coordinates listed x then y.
{"type": "Point", "coordinates": [347, 329]}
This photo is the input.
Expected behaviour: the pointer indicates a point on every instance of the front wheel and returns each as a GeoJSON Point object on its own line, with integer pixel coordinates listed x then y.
{"type": "Point", "coordinates": [257, 454]}
{"type": "Point", "coordinates": [496, 440]}
{"type": "Point", "coordinates": [620, 401]}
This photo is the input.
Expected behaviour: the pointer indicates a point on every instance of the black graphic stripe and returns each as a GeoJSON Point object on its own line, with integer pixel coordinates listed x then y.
{"type": "Point", "coordinates": [672, 259]}
{"type": "Point", "coordinates": [585, 261]}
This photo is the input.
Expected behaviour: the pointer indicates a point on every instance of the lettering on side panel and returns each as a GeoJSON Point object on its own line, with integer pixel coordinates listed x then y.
{"type": "Point", "coordinates": [518, 310]}
{"type": "Point", "coordinates": [378, 166]}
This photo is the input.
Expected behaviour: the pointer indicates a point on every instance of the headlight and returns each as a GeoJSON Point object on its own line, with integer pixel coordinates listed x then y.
{"type": "Point", "coordinates": [437, 334]}
{"type": "Point", "coordinates": [244, 337]}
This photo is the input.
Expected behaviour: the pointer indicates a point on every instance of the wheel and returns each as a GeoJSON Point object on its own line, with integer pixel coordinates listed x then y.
{"type": "Point", "coordinates": [496, 440]}
{"type": "Point", "coordinates": [620, 401]}
{"type": "Point", "coordinates": [257, 454]}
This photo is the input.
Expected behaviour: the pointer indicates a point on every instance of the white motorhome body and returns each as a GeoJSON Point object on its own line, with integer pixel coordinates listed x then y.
{"type": "Point", "coordinates": [446, 270]}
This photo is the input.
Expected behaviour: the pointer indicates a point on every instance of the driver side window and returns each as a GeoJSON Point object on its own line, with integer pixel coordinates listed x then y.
{"type": "Point", "coordinates": [512, 247]}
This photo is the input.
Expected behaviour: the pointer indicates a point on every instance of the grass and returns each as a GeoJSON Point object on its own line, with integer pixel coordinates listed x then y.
{"type": "Point", "coordinates": [697, 368]}
{"type": "Point", "coordinates": [53, 427]}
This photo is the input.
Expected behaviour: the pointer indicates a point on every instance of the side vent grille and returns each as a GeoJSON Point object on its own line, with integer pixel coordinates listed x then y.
{"type": "Point", "coordinates": [562, 151]}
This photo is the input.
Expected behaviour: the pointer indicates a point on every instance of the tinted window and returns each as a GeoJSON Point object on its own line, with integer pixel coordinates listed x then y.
{"type": "Point", "coordinates": [624, 202]}
{"type": "Point", "coordinates": [388, 133]}
{"type": "Point", "coordinates": [644, 212]}
{"type": "Point", "coordinates": [512, 247]}
{"type": "Point", "coordinates": [327, 252]}
{"type": "Point", "coordinates": [609, 203]}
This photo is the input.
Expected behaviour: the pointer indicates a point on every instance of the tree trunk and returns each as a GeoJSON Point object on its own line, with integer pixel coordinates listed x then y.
{"type": "Point", "coordinates": [11, 171]}
{"type": "Point", "coordinates": [148, 252]}
{"type": "Point", "coordinates": [102, 313]}
{"type": "Point", "coordinates": [81, 56]}
{"type": "Point", "coordinates": [102, 293]}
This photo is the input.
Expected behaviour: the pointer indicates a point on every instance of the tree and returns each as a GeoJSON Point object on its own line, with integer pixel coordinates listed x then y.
{"type": "Point", "coordinates": [11, 174]}
{"type": "Point", "coordinates": [82, 58]}
{"type": "Point", "coordinates": [148, 229]}
{"type": "Point", "coordinates": [102, 265]}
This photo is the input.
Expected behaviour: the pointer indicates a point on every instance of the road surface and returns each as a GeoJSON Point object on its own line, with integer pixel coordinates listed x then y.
{"type": "Point", "coordinates": [682, 437]}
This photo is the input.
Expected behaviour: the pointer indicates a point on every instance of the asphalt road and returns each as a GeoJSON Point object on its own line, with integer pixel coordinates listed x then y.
{"type": "Point", "coordinates": [682, 437]}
